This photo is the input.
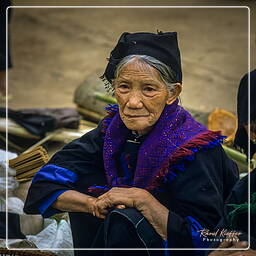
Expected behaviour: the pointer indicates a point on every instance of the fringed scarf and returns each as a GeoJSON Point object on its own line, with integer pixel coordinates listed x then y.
{"type": "Point", "coordinates": [174, 139]}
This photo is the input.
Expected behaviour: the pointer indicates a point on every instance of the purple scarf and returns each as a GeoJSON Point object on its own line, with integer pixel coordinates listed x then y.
{"type": "Point", "coordinates": [173, 140]}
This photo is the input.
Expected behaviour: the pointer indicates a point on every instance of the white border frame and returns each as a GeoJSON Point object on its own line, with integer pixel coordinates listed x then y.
{"type": "Point", "coordinates": [131, 7]}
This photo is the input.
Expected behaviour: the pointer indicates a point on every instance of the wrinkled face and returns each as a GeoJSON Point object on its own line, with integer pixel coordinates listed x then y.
{"type": "Point", "coordinates": [141, 95]}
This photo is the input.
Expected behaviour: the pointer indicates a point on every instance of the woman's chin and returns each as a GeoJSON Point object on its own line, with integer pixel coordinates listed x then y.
{"type": "Point", "coordinates": [141, 128]}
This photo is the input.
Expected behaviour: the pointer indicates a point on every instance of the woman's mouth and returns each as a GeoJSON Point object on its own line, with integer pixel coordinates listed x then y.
{"type": "Point", "coordinates": [135, 116]}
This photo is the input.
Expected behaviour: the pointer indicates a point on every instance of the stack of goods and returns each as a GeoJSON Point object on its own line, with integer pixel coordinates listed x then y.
{"type": "Point", "coordinates": [28, 164]}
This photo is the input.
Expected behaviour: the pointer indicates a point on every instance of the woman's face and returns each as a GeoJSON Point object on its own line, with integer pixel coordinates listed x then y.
{"type": "Point", "coordinates": [141, 95]}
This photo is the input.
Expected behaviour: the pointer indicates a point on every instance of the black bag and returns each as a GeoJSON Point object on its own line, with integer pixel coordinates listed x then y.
{"type": "Point", "coordinates": [39, 121]}
{"type": "Point", "coordinates": [14, 231]}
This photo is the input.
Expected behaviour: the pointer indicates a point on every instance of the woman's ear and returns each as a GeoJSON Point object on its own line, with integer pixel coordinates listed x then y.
{"type": "Point", "coordinates": [174, 94]}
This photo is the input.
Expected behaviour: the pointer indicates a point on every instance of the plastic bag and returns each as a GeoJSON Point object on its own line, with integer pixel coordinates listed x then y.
{"type": "Point", "coordinates": [11, 181]}
{"type": "Point", "coordinates": [54, 235]}
{"type": "Point", "coordinates": [15, 205]}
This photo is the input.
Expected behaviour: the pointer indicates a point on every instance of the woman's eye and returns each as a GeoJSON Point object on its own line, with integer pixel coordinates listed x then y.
{"type": "Point", "coordinates": [149, 89]}
{"type": "Point", "coordinates": [123, 86]}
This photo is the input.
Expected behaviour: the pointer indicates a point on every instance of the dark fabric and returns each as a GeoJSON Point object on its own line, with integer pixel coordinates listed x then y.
{"type": "Point", "coordinates": [135, 231]}
{"type": "Point", "coordinates": [84, 229]}
{"type": "Point", "coordinates": [127, 159]}
{"type": "Point", "coordinates": [126, 224]}
{"type": "Point", "coordinates": [118, 224]}
{"type": "Point", "coordinates": [3, 5]}
{"type": "Point", "coordinates": [84, 155]}
{"type": "Point", "coordinates": [199, 191]}
{"type": "Point", "coordinates": [142, 234]}
{"type": "Point", "coordinates": [14, 231]}
{"type": "Point", "coordinates": [64, 117]}
{"type": "Point", "coordinates": [35, 195]}
{"type": "Point", "coordinates": [241, 139]}
{"type": "Point", "coordinates": [35, 124]}
{"type": "Point", "coordinates": [241, 142]}
{"type": "Point", "coordinates": [242, 99]}
{"type": "Point", "coordinates": [239, 195]}
{"type": "Point", "coordinates": [161, 46]}
{"type": "Point", "coordinates": [41, 121]}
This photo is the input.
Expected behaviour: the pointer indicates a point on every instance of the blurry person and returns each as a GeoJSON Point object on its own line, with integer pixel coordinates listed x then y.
{"type": "Point", "coordinates": [236, 208]}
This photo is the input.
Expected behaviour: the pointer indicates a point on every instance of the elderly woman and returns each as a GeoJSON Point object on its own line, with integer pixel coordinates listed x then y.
{"type": "Point", "coordinates": [149, 176]}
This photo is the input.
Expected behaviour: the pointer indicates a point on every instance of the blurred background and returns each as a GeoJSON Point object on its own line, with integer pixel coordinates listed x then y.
{"type": "Point", "coordinates": [54, 50]}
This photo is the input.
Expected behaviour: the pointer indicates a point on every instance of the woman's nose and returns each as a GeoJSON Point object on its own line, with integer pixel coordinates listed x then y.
{"type": "Point", "coordinates": [135, 100]}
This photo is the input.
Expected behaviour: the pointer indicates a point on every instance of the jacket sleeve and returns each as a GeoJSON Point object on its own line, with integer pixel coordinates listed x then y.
{"type": "Point", "coordinates": [200, 192]}
{"type": "Point", "coordinates": [69, 169]}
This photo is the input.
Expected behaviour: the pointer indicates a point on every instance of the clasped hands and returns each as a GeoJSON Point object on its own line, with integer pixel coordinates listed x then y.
{"type": "Point", "coordinates": [140, 199]}
{"type": "Point", "coordinates": [120, 198]}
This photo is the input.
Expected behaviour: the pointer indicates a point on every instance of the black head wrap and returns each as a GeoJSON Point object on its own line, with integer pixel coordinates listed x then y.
{"type": "Point", "coordinates": [161, 46]}
{"type": "Point", "coordinates": [241, 139]}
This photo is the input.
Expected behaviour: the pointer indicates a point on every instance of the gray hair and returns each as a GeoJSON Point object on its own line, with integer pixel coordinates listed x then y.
{"type": "Point", "coordinates": [166, 73]}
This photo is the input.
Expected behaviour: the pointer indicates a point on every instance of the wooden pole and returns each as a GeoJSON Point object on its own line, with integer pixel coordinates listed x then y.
{"type": "Point", "coordinates": [239, 157]}
{"type": "Point", "coordinates": [46, 138]}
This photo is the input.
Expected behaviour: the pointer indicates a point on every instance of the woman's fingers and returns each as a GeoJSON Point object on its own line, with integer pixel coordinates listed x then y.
{"type": "Point", "coordinates": [120, 206]}
{"type": "Point", "coordinates": [111, 198]}
{"type": "Point", "coordinates": [100, 208]}
{"type": "Point", "coordinates": [236, 253]}
{"type": "Point", "coordinates": [119, 198]}
{"type": "Point", "coordinates": [230, 245]}
{"type": "Point", "coordinates": [240, 244]}
{"type": "Point", "coordinates": [226, 244]}
{"type": "Point", "coordinates": [99, 215]}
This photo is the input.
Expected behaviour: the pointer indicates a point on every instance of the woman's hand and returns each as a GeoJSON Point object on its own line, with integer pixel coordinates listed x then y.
{"type": "Point", "coordinates": [233, 245]}
{"type": "Point", "coordinates": [74, 201]}
{"type": "Point", "coordinates": [142, 200]}
{"type": "Point", "coordinates": [118, 198]}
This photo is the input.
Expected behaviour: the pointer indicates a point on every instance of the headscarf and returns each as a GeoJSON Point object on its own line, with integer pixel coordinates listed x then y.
{"type": "Point", "coordinates": [162, 46]}
{"type": "Point", "coordinates": [241, 138]}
